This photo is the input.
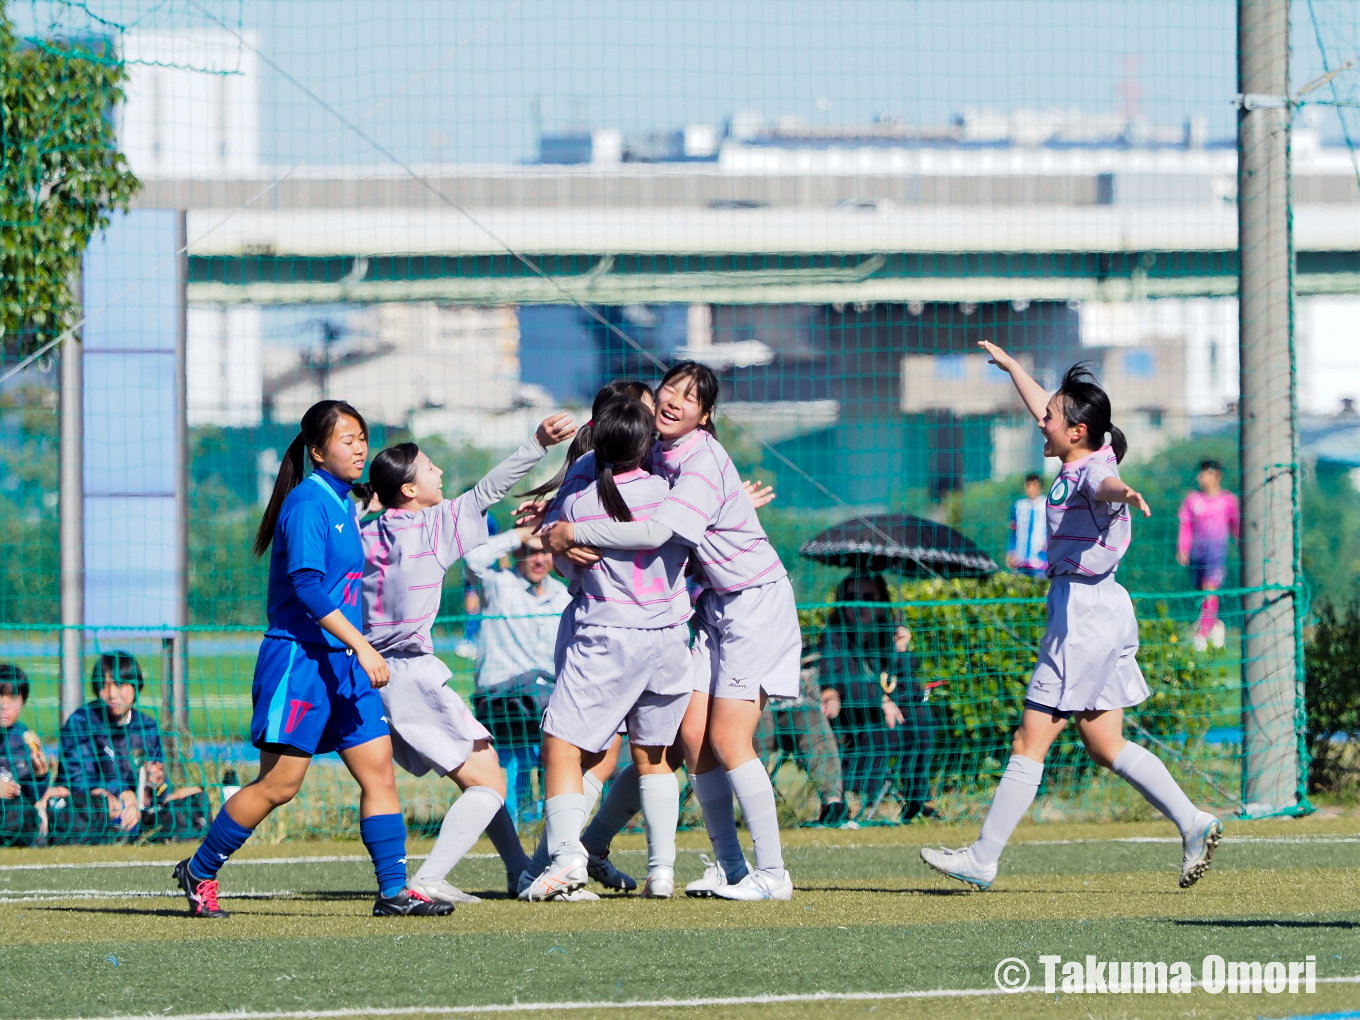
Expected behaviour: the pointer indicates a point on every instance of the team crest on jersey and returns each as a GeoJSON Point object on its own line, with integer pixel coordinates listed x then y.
{"type": "Point", "coordinates": [1062, 488]}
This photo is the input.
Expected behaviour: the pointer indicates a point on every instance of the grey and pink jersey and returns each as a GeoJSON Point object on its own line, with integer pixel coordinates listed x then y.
{"type": "Point", "coordinates": [643, 589]}
{"type": "Point", "coordinates": [408, 552]}
{"type": "Point", "coordinates": [709, 508]}
{"type": "Point", "coordinates": [1086, 536]}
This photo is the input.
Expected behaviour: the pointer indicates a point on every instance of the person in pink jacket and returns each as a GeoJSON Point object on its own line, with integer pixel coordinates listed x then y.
{"type": "Point", "coordinates": [1209, 517]}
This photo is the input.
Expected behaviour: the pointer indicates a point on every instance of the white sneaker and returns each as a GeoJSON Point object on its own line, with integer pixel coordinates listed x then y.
{"type": "Point", "coordinates": [581, 895]}
{"type": "Point", "coordinates": [759, 885]}
{"type": "Point", "coordinates": [465, 649]}
{"type": "Point", "coordinates": [1218, 634]}
{"type": "Point", "coordinates": [558, 878]}
{"type": "Point", "coordinates": [1199, 844]}
{"type": "Point", "coordinates": [1200, 642]}
{"type": "Point", "coordinates": [715, 878]}
{"type": "Point", "coordinates": [600, 868]}
{"type": "Point", "coordinates": [959, 864]}
{"type": "Point", "coordinates": [660, 884]}
{"type": "Point", "coordinates": [442, 891]}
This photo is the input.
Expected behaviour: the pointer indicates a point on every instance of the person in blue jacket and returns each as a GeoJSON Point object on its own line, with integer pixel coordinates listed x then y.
{"type": "Point", "coordinates": [316, 677]}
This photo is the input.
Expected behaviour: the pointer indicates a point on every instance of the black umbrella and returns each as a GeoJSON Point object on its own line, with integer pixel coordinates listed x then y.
{"type": "Point", "coordinates": [902, 543]}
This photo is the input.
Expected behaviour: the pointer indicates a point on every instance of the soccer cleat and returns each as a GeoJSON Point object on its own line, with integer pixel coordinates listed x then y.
{"type": "Point", "coordinates": [1200, 845]}
{"type": "Point", "coordinates": [959, 864]}
{"type": "Point", "coordinates": [581, 895]}
{"type": "Point", "coordinates": [557, 880]}
{"type": "Point", "coordinates": [201, 893]}
{"type": "Point", "coordinates": [660, 885]}
{"type": "Point", "coordinates": [443, 892]}
{"type": "Point", "coordinates": [512, 879]}
{"type": "Point", "coordinates": [409, 903]}
{"type": "Point", "coordinates": [715, 878]}
{"type": "Point", "coordinates": [600, 868]}
{"type": "Point", "coordinates": [1200, 642]}
{"type": "Point", "coordinates": [1218, 634]}
{"type": "Point", "coordinates": [759, 885]}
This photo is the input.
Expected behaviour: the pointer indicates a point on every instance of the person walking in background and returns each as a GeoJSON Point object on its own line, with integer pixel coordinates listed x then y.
{"type": "Point", "coordinates": [1208, 518]}
{"type": "Point", "coordinates": [1027, 546]}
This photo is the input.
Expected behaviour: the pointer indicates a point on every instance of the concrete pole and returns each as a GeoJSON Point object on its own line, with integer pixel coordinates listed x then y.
{"type": "Point", "coordinates": [1270, 638]}
{"type": "Point", "coordinates": [180, 656]}
{"type": "Point", "coordinates": [71, 516]}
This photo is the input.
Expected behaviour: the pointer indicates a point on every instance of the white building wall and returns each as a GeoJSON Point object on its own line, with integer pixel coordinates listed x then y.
{"type": "Point", "coordinates": [1327, 342]}
{"type": "Point", "coordinates": [224, 365]}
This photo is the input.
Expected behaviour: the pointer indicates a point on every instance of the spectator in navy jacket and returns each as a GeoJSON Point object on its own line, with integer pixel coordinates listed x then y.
{"type": "Point", "coordinates": [23, 765]}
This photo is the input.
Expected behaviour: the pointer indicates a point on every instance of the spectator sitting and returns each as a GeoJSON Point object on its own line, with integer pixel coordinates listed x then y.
{"type": "Point", "coordinates": [1027, 546]}
{"type": "Point", "coordinates": [23, 766]}
{"type": "Point", "coordinates": [113, 763]}
{"type": "Point", "coordinates": [521, 610]}
{"type": "Point", "coordinates": [799, 727]}
{"type": "Point", "coordinates": [886, 729]}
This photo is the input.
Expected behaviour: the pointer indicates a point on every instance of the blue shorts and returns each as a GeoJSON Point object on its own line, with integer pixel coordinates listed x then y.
{"type": "Point", "coordinates": [313, 698]}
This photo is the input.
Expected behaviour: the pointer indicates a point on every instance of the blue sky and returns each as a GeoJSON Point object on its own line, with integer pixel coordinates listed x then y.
{"type": "Point", "coordinates": [637, 65]}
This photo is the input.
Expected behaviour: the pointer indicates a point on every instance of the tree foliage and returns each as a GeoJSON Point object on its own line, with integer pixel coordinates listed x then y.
{"type": "Point", "coordinates": [61, 176]}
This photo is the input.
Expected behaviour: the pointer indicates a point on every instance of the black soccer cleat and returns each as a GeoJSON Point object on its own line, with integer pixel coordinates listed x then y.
{"type": "Point", "coordinates": [201, 893]}
{"type": "Point", "coordinates": [409, 903]}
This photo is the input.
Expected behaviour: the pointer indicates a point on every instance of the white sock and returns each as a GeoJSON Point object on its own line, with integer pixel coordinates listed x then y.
{"type": "Point", "coordinates": [620, 804]}
{"type": "Point", "coordinates": [1144, 771]}
{"type": "Point", "coordinates": [714, 794]}
{"type": "Point", "coordinates": [1014, 794]}
{"type": "Point", "coordinates": [465, 820]}
{"type": "Point", "coordinates": [564, 816]}
{"type": "Point", "coordinates": [542, 855]}
{"type": "Point", "coordinates": [660, 796]}
{"type": "Point", "coordinates": [755, 794]}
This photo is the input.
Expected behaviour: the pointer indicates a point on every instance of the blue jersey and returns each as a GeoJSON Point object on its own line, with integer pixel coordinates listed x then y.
{"type": "Point", "coordinates": [317, 529]}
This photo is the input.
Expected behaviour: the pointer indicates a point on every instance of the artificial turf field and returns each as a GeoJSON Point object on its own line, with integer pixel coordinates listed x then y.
{"type": "Point", "coordinates": [95, 932]}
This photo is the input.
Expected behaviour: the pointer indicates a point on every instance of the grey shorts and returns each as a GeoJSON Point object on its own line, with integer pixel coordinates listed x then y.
{"type": "Point", "coordinates": [746, 642]}
{"type": "Point", "coordinates": [613, 675]}
{"type": "Point", "coordinates": [432, 729]}
{"type": "Point", "coordinates": [1088, 655]}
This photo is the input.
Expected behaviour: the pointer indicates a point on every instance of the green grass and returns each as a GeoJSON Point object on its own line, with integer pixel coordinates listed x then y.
{"type": "Point", "coordinates": [867, 919]}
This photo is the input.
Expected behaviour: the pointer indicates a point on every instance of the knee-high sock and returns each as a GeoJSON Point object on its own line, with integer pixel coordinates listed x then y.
{"type": "Point", "coordinates": [224, 838]}
{"type": "Point", "coordinates": [617, 809]}
{"type": "Point", "coordinates": [1014, 794]}
{"type": "Point", "coordinates": [385, 838]}
{"type": "Point", "coordinates": [1144, 771]}
{"type": "Point", "coordinates": [714, 794]}
{"type": "Point", "coordinates": [465, 820]}
{"type": "Point", "coordinates": [542, 855]}
{"type": "Point", "coordinates": [501, 830]}
{"type": "Point", "coordinates": [1208, 614]}
{"type": "Point", "coordinates": [564, 816]}
{"type": "Point", "coordinates": [660, 796]}
{"type": "Point", "coordinates": [755, 794]}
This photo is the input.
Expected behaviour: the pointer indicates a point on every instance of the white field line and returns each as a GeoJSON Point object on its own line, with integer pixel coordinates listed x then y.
{"type": "Point", "coordinates": [363, 858]}
{"type": "Point", "coordinates": [61, 895]}
{"type": "Point", "coordinates": [543, 1007]}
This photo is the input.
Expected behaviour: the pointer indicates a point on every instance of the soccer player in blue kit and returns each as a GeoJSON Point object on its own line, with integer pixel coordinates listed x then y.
{"type": "Point", "coordinates": [316, 677]}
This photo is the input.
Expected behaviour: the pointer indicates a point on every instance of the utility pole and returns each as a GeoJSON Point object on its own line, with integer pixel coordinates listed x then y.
{"type": "Point", "coordinates": [1269, 446]}
{"type": "Point", "coordinates": [71, 523]}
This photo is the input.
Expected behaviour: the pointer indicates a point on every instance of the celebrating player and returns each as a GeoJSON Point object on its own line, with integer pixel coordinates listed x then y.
{"type": "Point", "coordinates": [408, 548]}
{"type": "Point", "coordinates": [747, 645]}
{"type": "Point", "coordinates": [316, 676]}
{"type": "Point", "coordinates": [1087, 668]}
{"type": "Point", "coordinates": [626, 658]}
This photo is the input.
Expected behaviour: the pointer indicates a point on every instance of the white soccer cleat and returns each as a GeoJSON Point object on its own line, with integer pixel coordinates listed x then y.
{"type": "Point", "coordinates": [1218, 634]}
{"type": "Point", "coordinates": [660, 885]}
{"type": "Point", "coordinates": [715, 878]}
{"type": "Point", "coordinates": [759, 885]}
{"type": "Point", "coordinates": [1199, 844]}
{"type": "Point", "coordinates": [442, 892]}
{"type": "Point", "coordinates": [600, 868]}
{"type": "Point", "coordinates": [1200, 642]}
{"type": "Point", "coordinates": [581, 895]}
{"type": "Point", "coordinates": [959, 864]}
{"type": "Point", "coordinates": [558, 879]}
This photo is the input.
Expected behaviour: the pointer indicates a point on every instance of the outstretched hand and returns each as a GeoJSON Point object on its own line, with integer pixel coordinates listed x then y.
{"type": "Point", "coordinates": [997, 356]}
{"type": "Point", "coordinates": [530, 513]}
{"type": "Point", "coordinates": [760, 493]}
{"type": "Point", "coordinates": [555, 429]}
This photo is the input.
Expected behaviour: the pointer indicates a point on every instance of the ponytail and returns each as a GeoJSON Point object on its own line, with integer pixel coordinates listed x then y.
{"type": "Point", "coordinates": [1118, 443]}
{"type": "Point", "coordinates": [610, 498]}
{"type": "Point", "coordinates": [315, 430]}
{"type": "Point", "coordinates": [623, 439]}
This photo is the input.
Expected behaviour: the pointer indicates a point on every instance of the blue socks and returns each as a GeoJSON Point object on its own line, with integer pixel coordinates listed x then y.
{"type": "Point", "coordinates": [223, 839]}
{"type": "Point", "coordinates": [506, 841]}
{"type": "Point", "coordinates": [385, 838]}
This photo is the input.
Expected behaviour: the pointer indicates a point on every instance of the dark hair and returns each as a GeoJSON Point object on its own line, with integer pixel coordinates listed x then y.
{"type": "Point", "coordinates": [1085, 403]}
{"type": "Point", "coordinates": [583, 442]}
{"type": "Point", "coordinates": [623, 439]}
{"type": "Point", "coordinates": [316, 428]}
{"type": "Point", "coordinates": [1211, 464]}
{"type": "Point", "coordinates": [390, 470]}
{"type": "Point", "coordinates": [118, 666]}
{"type": "Point", "coordinates": [875, 638]}
{"type": "Point", "coordinates": [1034, 476]}
{"type": "Point", "coordinates": [705, 387]}
{"type": "Point", "coordinates": [13, 681]}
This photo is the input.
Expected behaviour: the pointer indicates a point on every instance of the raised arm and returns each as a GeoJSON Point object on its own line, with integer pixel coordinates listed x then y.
{"type": "Point", "coordinates": [501, 478]}
{"type": "Point", "coordinates": [651, 534]}
{"type": "Point", "coordinates": [1034, 395]}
